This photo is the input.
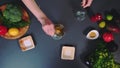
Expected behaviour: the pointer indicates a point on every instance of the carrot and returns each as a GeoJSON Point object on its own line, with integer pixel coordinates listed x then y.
{"type": "Point", "coordinates": [25, 15]}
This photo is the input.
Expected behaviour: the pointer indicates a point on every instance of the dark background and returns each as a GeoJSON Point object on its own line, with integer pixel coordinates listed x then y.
{"type": "Point", "coordinates": [47, 53]}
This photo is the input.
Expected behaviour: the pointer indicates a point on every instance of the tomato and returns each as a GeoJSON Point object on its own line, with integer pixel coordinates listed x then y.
{"type": "Point", "coordinates": [93, 19]}
{"type": "Point", "coordinates": [108, 37]}
{"type": "Point", "coordinates": [3, 30]}
{"type": "Point", "coordinates": [98, 16]}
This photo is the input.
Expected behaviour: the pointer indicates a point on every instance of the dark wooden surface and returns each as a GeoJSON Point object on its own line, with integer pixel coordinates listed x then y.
{"type": "Point", "coordinates": [47, 53]}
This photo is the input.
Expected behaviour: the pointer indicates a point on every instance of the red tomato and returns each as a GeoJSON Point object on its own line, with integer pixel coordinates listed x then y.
{"type": "Point", "coordinates": [93, 19]}
{"type": "Point", "coordinates": [98, 17]}
{"type": "Point", "coordinates": [3, 30]}
{"type": "Point", "coordinates": [107, 37]}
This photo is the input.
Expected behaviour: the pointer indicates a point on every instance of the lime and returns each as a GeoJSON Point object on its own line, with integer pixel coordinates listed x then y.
{"type": "Point", "coordinates": [109, 17]}
{"type": "Point", "coordinates": [102, 24]}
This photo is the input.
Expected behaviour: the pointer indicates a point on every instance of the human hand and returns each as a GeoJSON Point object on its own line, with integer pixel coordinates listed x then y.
{"type": "Point", "coordinates": [48, 26]}
{"type": "Point", "coordinates": [86, 3]}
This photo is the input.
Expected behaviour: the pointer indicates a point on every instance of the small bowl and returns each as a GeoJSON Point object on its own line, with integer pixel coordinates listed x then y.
{"type": "Point", "coordinates": [68, 53]}
{"type": "Point", "coordinates": [26, 43]}
{"type": "Point", "coordinates": [93, 34]}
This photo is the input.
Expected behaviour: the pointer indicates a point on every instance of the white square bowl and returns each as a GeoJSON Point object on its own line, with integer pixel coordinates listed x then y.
{"type": "Point", "coordinates": [26, 43]}
{"type": "Point", "coordinates": [68, 53]}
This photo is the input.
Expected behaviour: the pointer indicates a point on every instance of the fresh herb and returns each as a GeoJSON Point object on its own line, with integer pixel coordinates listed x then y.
{"type": "Point", "coordinates": [102, 58]}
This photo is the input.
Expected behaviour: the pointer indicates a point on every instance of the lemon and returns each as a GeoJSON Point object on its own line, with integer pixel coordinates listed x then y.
{"type": "Point", "coordinates": [13, 31]}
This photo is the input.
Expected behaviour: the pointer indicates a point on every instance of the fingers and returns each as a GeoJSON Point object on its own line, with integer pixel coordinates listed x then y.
{"type": "Point", "coordinates": [49, 29]}
{"type": "Point", "coordinates": [87, 3]}
{"type": "Point", "coordinates": [83, 2]}
{"type": "Point", "coordinates": [47, 26]}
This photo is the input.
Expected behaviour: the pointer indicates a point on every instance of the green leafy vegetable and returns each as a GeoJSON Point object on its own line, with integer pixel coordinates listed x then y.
{"type": "Point", "coordinates": [102, 58]}
{"type": "Point", "coordinates": [19, 24]}
{"type": "Point", "coordinates": [12, 17]}
{"type": "Point", "coordinates": [12, 13]}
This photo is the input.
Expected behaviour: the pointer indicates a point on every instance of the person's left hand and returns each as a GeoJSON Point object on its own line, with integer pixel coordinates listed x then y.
{"type": "Point", "coordinates": [86, 3]}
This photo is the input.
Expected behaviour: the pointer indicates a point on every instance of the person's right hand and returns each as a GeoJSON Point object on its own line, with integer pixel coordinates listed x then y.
{"type": "Point", "coordinates": [47, 24]}
{"type": "Point", "coordinates": [48, 27]}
